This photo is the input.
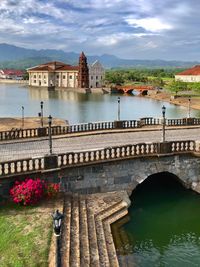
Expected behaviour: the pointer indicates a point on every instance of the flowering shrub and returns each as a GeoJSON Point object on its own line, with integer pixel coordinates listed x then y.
{"type": "Point", "coordinates": [52, 189]}
{"type": "Point", "coordinates": [30, 191]}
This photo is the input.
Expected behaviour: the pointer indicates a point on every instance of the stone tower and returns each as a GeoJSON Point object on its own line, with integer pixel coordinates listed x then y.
{"type": "Point", "coordinates": [83, 72]}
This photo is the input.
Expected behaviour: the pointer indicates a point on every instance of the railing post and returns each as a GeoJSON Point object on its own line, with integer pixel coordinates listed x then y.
{"type": "Point", "coordinates": [42, 131]}
{"type": "Point", "coordinates": [50, 162]}
{"type": "Point", "coordinates": [164, 148]}
{"type": "Point", "coordinates": [118, 124]}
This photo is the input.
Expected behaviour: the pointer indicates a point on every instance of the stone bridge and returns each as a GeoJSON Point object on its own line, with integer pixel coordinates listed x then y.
{"type": "Point", "coordinates": [103, 160]}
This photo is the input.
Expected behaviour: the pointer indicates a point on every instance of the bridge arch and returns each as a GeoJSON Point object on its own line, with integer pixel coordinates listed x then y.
{"type": "Point", "coordinates": [159, 178]}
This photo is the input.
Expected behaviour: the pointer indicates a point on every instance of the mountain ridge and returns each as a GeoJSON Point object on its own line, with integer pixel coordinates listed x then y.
{"type": "Point", "coordinates": [19, 57]}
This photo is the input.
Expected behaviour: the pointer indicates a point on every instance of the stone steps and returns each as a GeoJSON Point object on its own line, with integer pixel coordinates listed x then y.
{"type": "Point", "coordinates": [74, 234]}
{"type": "Point", "coordinates": [84, 239]}
{"type": "Point", "coordinates": [94, 252]}
{"type": "Point", "coordinates": [86, 234]}
{"type": "Point", "coordinates": [65, 240]}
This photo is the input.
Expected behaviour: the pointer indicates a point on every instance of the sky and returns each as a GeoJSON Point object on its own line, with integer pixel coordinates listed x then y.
{"type": "Point", "coordinates": [131, 29]}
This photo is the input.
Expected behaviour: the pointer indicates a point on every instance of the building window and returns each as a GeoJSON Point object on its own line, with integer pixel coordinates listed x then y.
{"type": "Point", "coordinates": [34, 81]}
{"type": "Point", "coordinates": [63, 76]}
{"type": "Point", "coordinates": [57, 76]}
{"type": "Point", "coordinates": [91, 77]}
{"type": "Point", "coordinates": [44, 76]}
{"type": "Point", "coordinates": [96, 77]}
{"type": "Point", "coordinates": [34, 76]}
{"type": "Point", "coordinates": [39, 76]}
{"type": "Point", "coordinates": [70, 76]}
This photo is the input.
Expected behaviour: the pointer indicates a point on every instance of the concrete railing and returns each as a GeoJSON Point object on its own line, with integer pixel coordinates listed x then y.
{"type": "Point", "coordinates": [70, 159]}
{"type": "Point", "coordinates": [93, 126]}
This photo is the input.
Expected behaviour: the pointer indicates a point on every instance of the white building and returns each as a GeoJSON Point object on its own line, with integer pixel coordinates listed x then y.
{"type": "Point", "coordinates": [54, 73]}
{"type": "Point", "coordinates": [190, 75]}
{"type": "Point", "coordinates": [96, 75]}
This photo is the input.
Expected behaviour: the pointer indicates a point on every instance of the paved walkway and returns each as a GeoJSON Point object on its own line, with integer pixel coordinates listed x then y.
{"type": "Point", "coordinates": [38, 148]}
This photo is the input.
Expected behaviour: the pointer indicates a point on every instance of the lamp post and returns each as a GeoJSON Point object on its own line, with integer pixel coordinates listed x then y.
{"type": "Point", "coordinates": [57, 220]}
{"type": "Point", "coordinates": [163, 129]}
{"type": "Point", "coordinates": [50, 137]}
{"type": "Point", "coordinates": [118, 114]}
{"type": "Point", "coordinates": [22, 116]}
{"type": "Point", "coordinates": [41, 105]}
{"type": "Point", "coordinates": [189, 103]}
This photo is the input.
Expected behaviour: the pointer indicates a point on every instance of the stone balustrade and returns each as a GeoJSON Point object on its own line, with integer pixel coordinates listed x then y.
{"type": "Point", "coordinates": [94, 126]}
{"type": "Point", "coordinates": [31, 165]}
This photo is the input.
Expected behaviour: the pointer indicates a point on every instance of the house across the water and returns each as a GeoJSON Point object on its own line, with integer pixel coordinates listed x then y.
{"type": "Point", "coordinates": [59, 74]}
{"type": "Point", "coordinates": [189, 75]}
{"type": "Point", "coordinates": [11, 74]}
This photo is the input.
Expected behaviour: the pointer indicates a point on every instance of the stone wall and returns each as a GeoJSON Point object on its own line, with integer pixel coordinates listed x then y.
{"type": "Point", "coordinates": [127, 174]}
{"type": "Point", "coordinates": [118, 175]}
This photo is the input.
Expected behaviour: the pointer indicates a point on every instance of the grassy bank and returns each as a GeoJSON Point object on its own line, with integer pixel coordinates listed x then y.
{"type": "Point", "coordinates": [25, 235]}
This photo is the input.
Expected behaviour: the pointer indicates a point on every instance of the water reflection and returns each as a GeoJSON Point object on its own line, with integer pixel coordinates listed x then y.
{"type": "Point", "coordinates": [163, 229]}
{"type": "Point", "coordinates": [81, 107]}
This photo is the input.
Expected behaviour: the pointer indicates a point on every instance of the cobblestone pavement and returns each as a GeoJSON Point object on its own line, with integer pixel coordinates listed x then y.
{"type": "Point", "coordinates": [37, 148]}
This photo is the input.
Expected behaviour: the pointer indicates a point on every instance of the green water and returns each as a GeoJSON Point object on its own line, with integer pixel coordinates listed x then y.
{"type": "Point", "coordinates": [164, 226]}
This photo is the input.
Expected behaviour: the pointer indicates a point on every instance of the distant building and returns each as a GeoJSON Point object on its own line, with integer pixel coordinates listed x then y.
{"type": "Point", "coordinates": [59, 74]}
{"type": "Point", "coordinates": [96, 75]}
{"type": "Point", "coordinates": [11, 74]}
{"type": "Point", "coordinates": [190, 75]}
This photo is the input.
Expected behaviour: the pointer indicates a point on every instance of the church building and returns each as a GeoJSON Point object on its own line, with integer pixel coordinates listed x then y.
{"type": "Point", "coordinates": [60, 75]}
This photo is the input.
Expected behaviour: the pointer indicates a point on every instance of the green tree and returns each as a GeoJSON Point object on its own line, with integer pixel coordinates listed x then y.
{"type": "Point", "coordinates": [177, 86]}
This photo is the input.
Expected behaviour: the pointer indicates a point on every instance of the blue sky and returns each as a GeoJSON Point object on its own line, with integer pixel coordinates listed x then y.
{"type": "Point", "coordinates": [142, 29]}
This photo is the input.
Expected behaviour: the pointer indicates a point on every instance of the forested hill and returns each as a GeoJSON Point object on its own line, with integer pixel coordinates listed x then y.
{"type": "Point", "coordinates": [21, 58]}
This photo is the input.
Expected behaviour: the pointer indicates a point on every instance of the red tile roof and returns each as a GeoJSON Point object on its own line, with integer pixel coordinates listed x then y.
{"type": "Point", "coordinates": [53, 66]}
{"type": "Point", "coordinates": [67, 67]}
{"type": "Point", "coordinates": [41, 68]}
{"type": "Point", "coordinates": [193, 71]}
{"type": "Point", "coordinates": [13, 72]}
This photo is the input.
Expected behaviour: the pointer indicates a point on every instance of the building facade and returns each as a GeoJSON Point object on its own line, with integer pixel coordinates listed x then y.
{"type": "Point", "coordinates": [61, 75]}
{"type": "Point", "coordinates": [190, 75]}
{"type": "Point", "coordinates": [11, 74]}
{"type": "Point", "coordinates": [53, 74]}
{"type": "Point", "coordinates": [96, 75]}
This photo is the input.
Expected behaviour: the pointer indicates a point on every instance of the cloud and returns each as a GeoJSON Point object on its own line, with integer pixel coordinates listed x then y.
{"type": "Point", "coordinates": [139, 29]}
{"type": "Point", "coordinates": [149, 24]}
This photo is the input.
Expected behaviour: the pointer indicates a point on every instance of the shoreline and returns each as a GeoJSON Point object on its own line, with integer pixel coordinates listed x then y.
{"type": "Point", "coordinates": [179, 100]}
{"type": "Point", "coordinates": [9, 123]}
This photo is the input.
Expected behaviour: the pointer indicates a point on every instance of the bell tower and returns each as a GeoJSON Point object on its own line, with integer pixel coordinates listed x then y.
{"type": "Point", "coordinates": [83, 72]}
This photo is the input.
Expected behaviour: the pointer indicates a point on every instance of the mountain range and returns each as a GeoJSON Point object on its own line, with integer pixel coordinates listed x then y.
{"type": "Point", "coordinates": [21, 58]}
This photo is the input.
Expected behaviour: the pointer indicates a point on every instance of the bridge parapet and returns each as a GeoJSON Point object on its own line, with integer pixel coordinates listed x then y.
{"type": "Point", "coordinates": [94, 127]}
{"type": "Point", "coordinates": [71, 159]}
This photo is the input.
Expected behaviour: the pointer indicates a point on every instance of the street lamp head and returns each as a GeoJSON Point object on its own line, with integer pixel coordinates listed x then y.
{"type": "Point", "coordinates": [118, 99]}
{"type": "Point", "coordinates": [50, 120]}
{"type": "Point", "coordinates": [41, 103]}
{"type": "Point", "coordinates": [57, 220]}
{"type": "Point", "coordinates": [163, 110]}
{"type": "Point", "coordinates": [22, 107]}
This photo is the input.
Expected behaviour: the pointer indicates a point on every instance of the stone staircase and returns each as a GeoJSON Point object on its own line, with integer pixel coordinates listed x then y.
{"type": "Point", "coordinates": [86, 238]}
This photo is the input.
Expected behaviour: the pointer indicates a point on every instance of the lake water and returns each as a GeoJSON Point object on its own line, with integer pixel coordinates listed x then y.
{"type": "Point", "coordinates": [164, 229]}
{"type": "Point", "coordinates": [80, 107]}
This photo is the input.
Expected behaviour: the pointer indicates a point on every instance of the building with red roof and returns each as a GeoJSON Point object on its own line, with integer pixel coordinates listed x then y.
{"type": "Point", "coordinates": [61, 75]}
{"type": "Point", "coordinates": [55, 74]}
{"type": "Point", "coordinates": [189, 75]}
{"type": "Point", "coordinates": [11, 74]}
